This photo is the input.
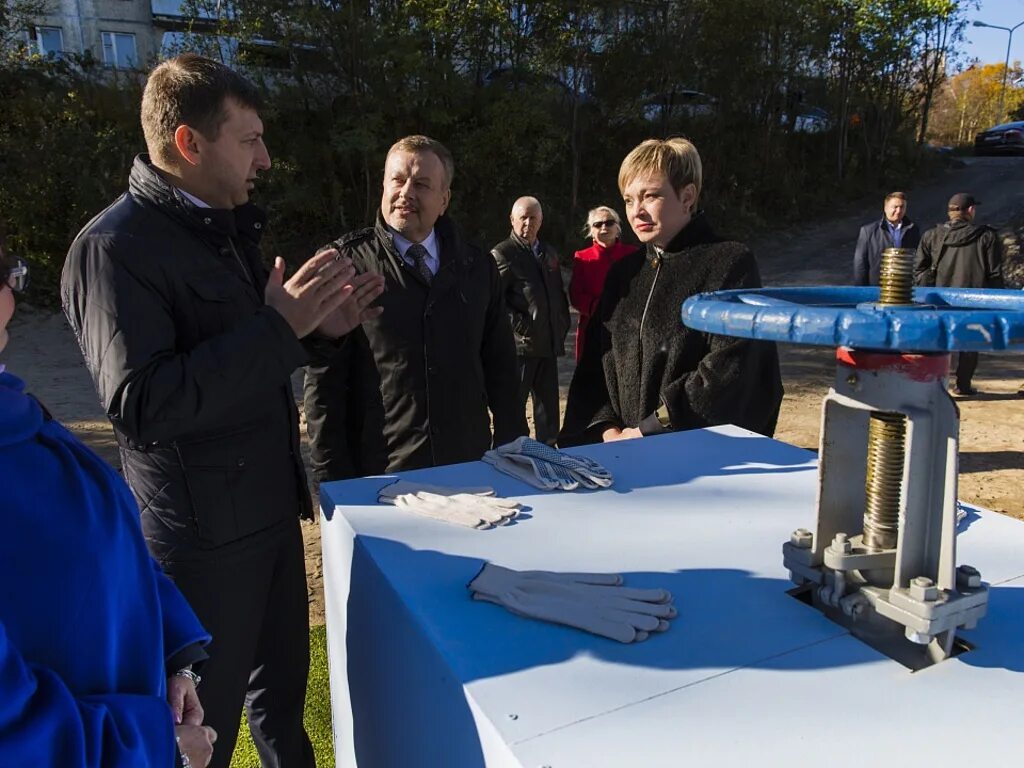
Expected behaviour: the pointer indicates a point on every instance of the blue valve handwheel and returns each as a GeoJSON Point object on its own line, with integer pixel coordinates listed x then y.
{"type": "Point", "coordinates": [940, 320]}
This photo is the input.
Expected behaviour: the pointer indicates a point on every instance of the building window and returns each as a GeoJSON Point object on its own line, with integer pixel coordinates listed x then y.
{"type": "Point", "coordinates": [119, 50]}
{"type": "Point", "coordinates": [49, 40]}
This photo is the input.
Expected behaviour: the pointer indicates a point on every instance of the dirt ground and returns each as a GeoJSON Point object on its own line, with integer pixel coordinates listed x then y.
{"type": "Point", "coordinates": [44, 353]}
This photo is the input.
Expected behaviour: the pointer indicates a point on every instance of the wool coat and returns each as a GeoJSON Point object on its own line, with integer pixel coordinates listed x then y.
{"type": "Point", "coordinates": [640, 357]}
{"type": "Point", "coordinates": [89, 626]}
{"type": "Point", "coordinates": [589, 271]}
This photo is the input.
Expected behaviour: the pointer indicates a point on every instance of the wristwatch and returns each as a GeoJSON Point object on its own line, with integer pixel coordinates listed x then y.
{"type": "Point", "coordinates": [662, 415]}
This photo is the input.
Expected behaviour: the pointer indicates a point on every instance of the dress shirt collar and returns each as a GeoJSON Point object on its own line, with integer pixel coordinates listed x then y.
{"type": "Point", "coordinates": [195, 200]}
{"type": "Point", "coordinates": [403, 245]}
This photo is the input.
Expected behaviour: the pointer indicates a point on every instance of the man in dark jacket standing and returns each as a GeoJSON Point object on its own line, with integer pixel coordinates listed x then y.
{"type": "Point", "coordinates": [531, 281]}
{"type": "Point", "coordinates": [894, 230]}
{"type": "Point", "coordinates": [960, 254]}
{"type": "Point", "coordinates": [413, 388]}
{"type": "Point", "coordinates": [191, 344]}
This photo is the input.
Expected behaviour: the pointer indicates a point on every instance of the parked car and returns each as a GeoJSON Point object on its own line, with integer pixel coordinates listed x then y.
{"type": "Point", "coordinates": [809, 120]}
{"type": "Point", "coordinates": [1005, 139]}
{"type": "Point", "coordinates": [678, 105]}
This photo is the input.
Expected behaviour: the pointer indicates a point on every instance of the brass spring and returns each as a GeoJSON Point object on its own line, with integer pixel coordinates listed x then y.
{"type": "Point", "coordinates": [896, 278]}
{"type": "Point", "coordinates": [886, 450]}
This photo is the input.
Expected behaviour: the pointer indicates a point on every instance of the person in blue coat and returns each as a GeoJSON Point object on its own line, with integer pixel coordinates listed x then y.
{"type": "Point", "coordinates": [96, 644]}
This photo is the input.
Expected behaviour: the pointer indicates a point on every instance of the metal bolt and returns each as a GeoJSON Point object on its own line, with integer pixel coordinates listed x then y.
{"type": "Point", "coordinates": [853, 605]}
{"type": "Point", "coordinates": [801, 538]}
{"type": "Point", "coordinates": [921, 638]}
{"type": "Point", "coordinates": [968, 577]}
{"type": "Point", "coordinates": [840, 544]}
{"type": "Point", "coordinates": [922, 588]}
{"type": "Point", "coordinates": [512, 716]}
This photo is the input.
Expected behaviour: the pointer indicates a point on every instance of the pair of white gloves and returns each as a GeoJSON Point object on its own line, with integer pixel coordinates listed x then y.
{"type": "Point", "coordinates": [547, 468]}
{"type": "Point", "coordinates": [472, 507]}
{"type": "Point", "coordinates": [594, 602]}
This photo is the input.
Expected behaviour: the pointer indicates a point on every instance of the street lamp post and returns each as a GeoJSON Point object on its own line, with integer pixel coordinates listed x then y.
{"type": "Point", "coordinates": [1006, 66]}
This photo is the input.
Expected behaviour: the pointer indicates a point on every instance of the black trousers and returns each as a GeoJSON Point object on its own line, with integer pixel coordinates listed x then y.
{"type": "Point", "coordinates": [966, 363]}
{"type": "Point", "coordinates": [251, 596]}
{"type": "Point", "coordinates": [538, 376]}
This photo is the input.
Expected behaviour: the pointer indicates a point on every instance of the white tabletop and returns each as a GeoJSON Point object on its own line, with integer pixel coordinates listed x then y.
{"type": "Point", "coordinates": [746, 672]}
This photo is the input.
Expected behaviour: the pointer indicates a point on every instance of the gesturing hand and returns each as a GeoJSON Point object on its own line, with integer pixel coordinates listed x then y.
{"type": "Point", "coordinates": [313, 293]}
{"type": "Point", "coordinates": [195, 743]}
{"type": "Point", "coordinates": [357, 309]}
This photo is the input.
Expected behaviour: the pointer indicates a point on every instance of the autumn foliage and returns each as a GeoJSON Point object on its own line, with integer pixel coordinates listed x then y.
{"type": "Point", "coordinates": [970, 101]}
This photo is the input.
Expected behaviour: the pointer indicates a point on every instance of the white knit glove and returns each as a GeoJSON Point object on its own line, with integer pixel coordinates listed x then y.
{"type": "Point", "coordinates": [593, 602]}
{"type": "Point", "coordinates": [471, 507]}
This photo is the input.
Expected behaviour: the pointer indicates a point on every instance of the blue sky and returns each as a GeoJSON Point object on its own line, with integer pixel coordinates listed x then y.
{"type": "Point", "coordinates": [989, 45]}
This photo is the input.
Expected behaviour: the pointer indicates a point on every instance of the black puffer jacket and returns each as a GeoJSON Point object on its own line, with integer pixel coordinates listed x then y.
{"type": "Point", "coordinates": [959, 254]}
{"type": "Point", "coordinates": [412, 388]}
{"type": "Point", "coordinates": [535, 297]}
{"type": "Point", "coordinates": [166, 300]}
{"type": "Point", "coordinates": [639, 356]}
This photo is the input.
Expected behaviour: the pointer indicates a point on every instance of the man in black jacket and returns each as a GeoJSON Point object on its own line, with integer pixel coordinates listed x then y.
{"type": "Point", "coordinates": [191, 344]}
{"type": "Point", "coordinates": [894, 230]}
{"type": "Point", "coordinates": [960, 254]}
{"type": "Point", "coordinates": [413, 388]}
{"type": "Point", "coordinates": [531, 281]}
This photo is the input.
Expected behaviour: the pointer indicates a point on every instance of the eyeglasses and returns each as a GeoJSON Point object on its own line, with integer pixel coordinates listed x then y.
{"type": "Point", "coordinates": [605, 223]}
{"type": "Point", "coordinates": [15, 277]}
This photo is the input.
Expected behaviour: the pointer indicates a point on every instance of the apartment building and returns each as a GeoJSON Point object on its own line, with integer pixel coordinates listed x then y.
{"type": "Point", "coordinates": [123, 34]}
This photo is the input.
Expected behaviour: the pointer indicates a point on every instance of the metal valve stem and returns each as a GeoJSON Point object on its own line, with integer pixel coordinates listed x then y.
{"type": "Point", "coordinates": [887, 432]}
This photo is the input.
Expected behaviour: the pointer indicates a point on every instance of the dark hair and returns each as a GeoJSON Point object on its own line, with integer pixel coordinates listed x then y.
{"type": "Point", "coordinates": [190, 90]}
{"type": "Point", "coordinates": [6, 264]}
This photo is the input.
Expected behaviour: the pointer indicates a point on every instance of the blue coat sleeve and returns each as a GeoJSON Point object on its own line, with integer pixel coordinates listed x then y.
{"type": "Point", "coordinates": [181, 627]}
{"type": "Point", "coordinates": [43, 725]}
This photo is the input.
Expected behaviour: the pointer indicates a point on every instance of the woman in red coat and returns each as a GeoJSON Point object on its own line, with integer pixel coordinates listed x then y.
{"type": "Point", "coordinates": [590, 266]}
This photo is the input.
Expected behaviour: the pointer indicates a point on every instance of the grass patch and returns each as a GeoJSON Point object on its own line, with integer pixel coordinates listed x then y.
{"type": "Point", "coordinates": [317, 715]}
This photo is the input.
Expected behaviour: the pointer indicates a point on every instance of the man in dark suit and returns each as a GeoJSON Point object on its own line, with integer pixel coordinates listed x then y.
{"type": "Point", "coordinates": [894, 230]}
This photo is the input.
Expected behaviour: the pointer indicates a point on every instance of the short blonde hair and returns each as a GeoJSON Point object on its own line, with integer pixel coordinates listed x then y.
{"type": "Point", "coordinates": [601, 208]}
{"type": "Point", "coordinates": [677, 158]}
